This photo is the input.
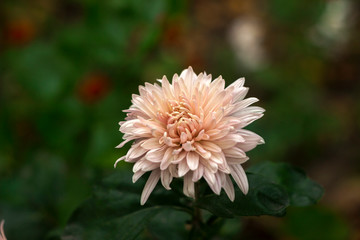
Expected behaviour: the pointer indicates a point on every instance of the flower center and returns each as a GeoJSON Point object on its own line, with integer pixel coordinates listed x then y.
{"type": "Point", "coordinates": [183, 127]}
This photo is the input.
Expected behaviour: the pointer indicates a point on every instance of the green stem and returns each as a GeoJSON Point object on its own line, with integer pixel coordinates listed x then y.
{"type": "Point", "coordinates": [197, 221]}
{"type": "Point", "coordinates": [197, 212]}
{"type": "Point", "coordinates": [201, 230]}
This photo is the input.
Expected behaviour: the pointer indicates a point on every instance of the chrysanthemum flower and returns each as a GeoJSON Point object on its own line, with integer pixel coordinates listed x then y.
{"type": "Point", "coordinates": [191, 128]}
{"type": "Point", "coordinates": [2, 234]}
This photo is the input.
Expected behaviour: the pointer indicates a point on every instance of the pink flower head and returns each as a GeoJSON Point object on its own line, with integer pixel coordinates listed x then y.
{"type": "Point", "coordinates": [191, 128]}
{"type": "Point", "coordinates": [2, 234]}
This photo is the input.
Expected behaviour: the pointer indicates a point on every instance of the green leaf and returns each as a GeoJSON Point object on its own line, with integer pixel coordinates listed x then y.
{"type": "Point", "coordinates": [264, 198]}
{"type": "Point", "coordinates": [114, 210]}
{"type": "Point", "coordinates": [272, 188]}
{"type": "Point", "coordinates": [169, 224]}
{"type": "Point", "coordinates": [302, 190]}
{"type": "Point", "coordinates": [126, 227]}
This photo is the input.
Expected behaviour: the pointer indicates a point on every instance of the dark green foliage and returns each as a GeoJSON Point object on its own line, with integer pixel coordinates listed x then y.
{"type": "Point", "coordinates": [169, 224]}
{"type": "Point", "coordinates": [114, 210]}
{"type": "Point", "coordinates": [302, 191]}
{"type": "Point", "coordinates": [273, 187]}
{"type": "Point", "coordinates": [264, 198]}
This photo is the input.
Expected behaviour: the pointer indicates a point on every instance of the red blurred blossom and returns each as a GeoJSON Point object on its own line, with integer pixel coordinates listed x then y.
{"type": "Point", "coordinates": [94, 87]}
{"type": "Point", "coordinates": [173, 35]}
{"type": "Point", "coordinates": [19, 31]}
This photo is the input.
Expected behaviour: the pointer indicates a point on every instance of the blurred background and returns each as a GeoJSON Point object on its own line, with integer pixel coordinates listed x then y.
{"type": "Point", "coordinates": [68, 69]}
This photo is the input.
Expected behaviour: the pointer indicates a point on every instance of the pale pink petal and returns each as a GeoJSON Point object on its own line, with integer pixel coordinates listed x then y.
{"type": "Point", "coordinates": [166, 179]}
{"type": "Point", "coordinates": [209, 176]}
{"type": "Point", "coordinates": [218, 158]}
{"type": "Point", "coordinates": [143, 105]}
{"type": "Point", "coordinates": [177, 151]}
{"type": "Point", "coordinates": [186, 81]}
{"type": "Point", "coordinates": [251, 140]}
{"type": "Point", "coordinates": [210, 146]}
{"type": "Point", "coordinates": [173, 170]}
{"type": "Point", "coordinates": [125, 141]}
{"type": "Point", "coordinates": [188, 146]}
{"type": "Point", "coordinates": [210, 165]}
{"type": "Point", "coordinates": [201, 151]}
{"type": "Point", "coordinates": [221, 133]}
{"type": "Point", "coordinates": [229, 188]}
{"type": "Point", "coordinates": [233, 161]}
{"type": "Point", "coordinates": [149, 166]}
{"type": "Point", "coordinates": [198, 173]}
{"type": "Point", "coordinates": [176, 86]}
{"type": "Point", "coordinates": [215, 102]}
{"type": "Point", "coordinates": [243, 104]}
{"type": "Point", "coordinates": [2, 234]}
{"type": "Point", "coordinates": [224, 167]}
{"type": "Point", "coordinates": [149, 186]}
{"type": "Point", "coordinates": [240, 93]}
{"type": "Point", "coordinates": [183, 137]}
{"type": "Point", "coordinates": [234, 152]}
{"type": "Point", "coordinates": [218, 84]}
{"type": "Point", "coordinates": [213, 181]}
{"type": "Point", "coordinates": [166, 160]}
{"type": "Point", "coordinates": [200, 135]}
{"type": "Point", "coordinates": [137, 175]}
{"type": "Point", "coordinates": [229, 140]}
{"type": "Point", "coordinates": [136, 152]}
{"type": "Point", "coordinates": [190, 128]}
{"type": "Point", "coordinates": [151, 143]}
{"type": "Point", "coordinates": [183, 168]}
{"type": "Point", "coordinates": [155, 155]}
{"type": "Point", "coordinates": [238, 83]}
{"type": "Point", "coordinates": [249, 111]}
{"type": "Point", "coordinates": [189, 188]}
{"type": "Point", "coordinates": [213, 132]}
{"type": "Point", "coordinates": [248, 119]}
{"type": "Point", "coordinates": [179, 157]}
{"type": "Point", "coordinates": [192, 160]}
{"type": "Point", "coordinates": [248, 145]}
{"type": "Point", "coordinates": [167, 89]}
{"type": "Point", "coordinates": [128, 126]}
{"type": "Point", "coordinates": [239, 175]}
{"type": "Point", "coordinates": [117, 161]}
{"type": "Point", "coordinates": [217, 185]}
{"type": "Point", "coordinates": [139, 165]}
{"type": "Point", "coordinates": [226, 143]}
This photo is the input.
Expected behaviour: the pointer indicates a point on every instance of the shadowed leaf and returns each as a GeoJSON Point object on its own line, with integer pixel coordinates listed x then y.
{"type": "Point", "coordinates": [302, 190]}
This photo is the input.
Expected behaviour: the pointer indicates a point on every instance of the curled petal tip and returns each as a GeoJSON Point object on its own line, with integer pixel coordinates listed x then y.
{"type": "Point", "coordinates": [117, 161]}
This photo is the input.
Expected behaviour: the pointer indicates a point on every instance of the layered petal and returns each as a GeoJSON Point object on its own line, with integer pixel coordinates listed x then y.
{"type": "Point", "coordinates": [150, 185]}
{"type": "Point", "coordinates": [190, 128]}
